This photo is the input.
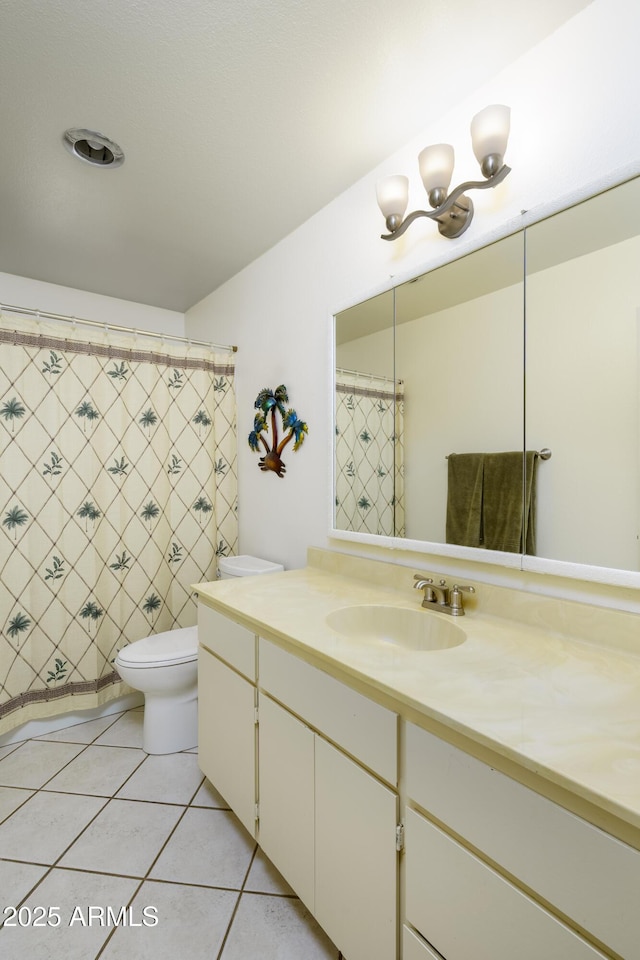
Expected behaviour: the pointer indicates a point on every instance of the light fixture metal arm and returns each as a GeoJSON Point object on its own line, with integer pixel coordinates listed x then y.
{"type": "Point", "coordinates": [455, 214]}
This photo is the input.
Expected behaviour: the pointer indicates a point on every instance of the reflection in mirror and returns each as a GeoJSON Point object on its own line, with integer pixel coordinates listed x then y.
{"type": "Point", "coordinates": [459, 348]}
{"type": "Point", "coordinates": [583, 299]}
{"type": "Point", "coordinates": [369, 408]}
{"type": "Point", "coordinates": [459, 389]}
{"type": "Point", "coordinates": [459, 352]}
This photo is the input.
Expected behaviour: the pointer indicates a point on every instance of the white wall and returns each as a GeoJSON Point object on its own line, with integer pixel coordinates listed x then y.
{"type": "Point", "coordinates": [573, 101]}
{"type": "Point", "coordinates": [38, 295]}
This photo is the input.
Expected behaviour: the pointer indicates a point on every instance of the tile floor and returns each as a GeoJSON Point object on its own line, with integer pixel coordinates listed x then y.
{"type": "Point", "coordinates": [93, 831]}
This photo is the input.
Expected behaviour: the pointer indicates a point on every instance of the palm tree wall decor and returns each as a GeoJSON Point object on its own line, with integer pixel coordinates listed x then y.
{"type": "Point", "coordinates": [270, 404]}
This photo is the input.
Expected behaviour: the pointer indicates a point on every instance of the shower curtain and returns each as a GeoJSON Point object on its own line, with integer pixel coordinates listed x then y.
{"type": "Point", "coordinates": [118, 485]}
{"type": "Point", "coordinates": [369, 457]}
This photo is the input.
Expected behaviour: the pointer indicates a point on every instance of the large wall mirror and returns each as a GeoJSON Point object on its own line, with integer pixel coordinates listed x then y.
{"type": "Point", "coordinates": [504, 384]}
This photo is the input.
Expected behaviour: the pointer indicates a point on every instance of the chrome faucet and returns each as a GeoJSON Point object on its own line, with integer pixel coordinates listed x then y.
{"type": "Point", "coordinates": [440, 596]}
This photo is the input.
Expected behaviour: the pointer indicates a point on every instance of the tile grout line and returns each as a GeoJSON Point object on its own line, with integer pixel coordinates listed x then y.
{"type": "Point", "coordinates": [237, 903]}
{"type": "Point", "coordinates": [146, 877]}
{"type": "Point", "coordinates": [41, 789]}
{"type": "Point", "coordinates": [189, 805]}
{"type": "Point", "coordinates": [36, 790]}
{"type": "Point", "coordinates": [32, 793]}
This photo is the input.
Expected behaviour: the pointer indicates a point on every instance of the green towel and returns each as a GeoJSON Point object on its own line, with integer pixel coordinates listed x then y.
{"type": "Point", "coordinates": [492, 499]}
{"type": "Point", "coordinates": [464, 500]}
{"type": "Point", "coordinates": [530, 498]}
{"type": "Point", "coordinates": [503, 486]}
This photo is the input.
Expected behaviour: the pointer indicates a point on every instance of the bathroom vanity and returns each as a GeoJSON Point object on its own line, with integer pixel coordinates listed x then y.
{"type": "Point", "coordinates": [466, 790]}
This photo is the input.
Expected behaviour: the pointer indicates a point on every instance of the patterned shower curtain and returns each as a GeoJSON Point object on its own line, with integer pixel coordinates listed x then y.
{"type": "Point", "coordinates": [118, 485]}
{"type": "Point", "coordinates": [369, 458]}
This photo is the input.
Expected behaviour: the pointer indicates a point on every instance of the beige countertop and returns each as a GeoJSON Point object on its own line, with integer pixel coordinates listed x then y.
{"type": "Point", "coordinates": [564, 710]}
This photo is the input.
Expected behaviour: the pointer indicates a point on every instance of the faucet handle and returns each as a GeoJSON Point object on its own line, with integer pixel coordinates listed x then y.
{"type": "Point", "coordinates": [424, 583]}
{"type": "Point", "coordinates": [455, 599]}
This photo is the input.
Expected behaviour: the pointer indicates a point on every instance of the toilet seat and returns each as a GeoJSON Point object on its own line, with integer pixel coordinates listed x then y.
{"type": "Point", "coordinates": [161, 649]}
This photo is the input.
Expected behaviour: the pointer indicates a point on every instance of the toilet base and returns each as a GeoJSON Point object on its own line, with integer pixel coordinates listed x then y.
{"type": "Point", "coordinates": [170, 724]}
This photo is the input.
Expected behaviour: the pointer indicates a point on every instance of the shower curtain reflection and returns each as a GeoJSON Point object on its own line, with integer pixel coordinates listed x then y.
{"type": "Point", "coordinates": [117, 491]}
{"type": "Point", "coordinates": [369, 465]}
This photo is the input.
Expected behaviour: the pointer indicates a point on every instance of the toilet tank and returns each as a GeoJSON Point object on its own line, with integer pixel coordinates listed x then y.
{"type": "Point", "coordinates": [245, 566]}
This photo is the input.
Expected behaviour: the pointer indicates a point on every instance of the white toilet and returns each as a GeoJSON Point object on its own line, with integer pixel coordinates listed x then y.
{"type": "Point", "coordinates": [164, 667]}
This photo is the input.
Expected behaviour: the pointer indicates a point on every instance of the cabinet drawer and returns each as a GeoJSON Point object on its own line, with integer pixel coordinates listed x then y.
{"type": "Point", "coordinates": [364, 729]}
{"type": "Point", "coordinates": [469, 912]}
{"type": "Point", "coordinates": [414, 948]}
{"type": "Point", "coordinates": [232, 643]}
{"type": "Point", "coordinates": [588, 875]}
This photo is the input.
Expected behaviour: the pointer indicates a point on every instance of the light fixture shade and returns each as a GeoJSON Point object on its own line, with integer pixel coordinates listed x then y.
{"type": "Point", "coordinates": [436, 166]}
{"type": "Point", "coordinates": [490, 131]}
{"type": "Point", "coordinates": [393, 196]}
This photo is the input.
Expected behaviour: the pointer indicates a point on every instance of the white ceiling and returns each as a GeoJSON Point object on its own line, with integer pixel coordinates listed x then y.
{"type": "Point", "coordinates": [239, 119]}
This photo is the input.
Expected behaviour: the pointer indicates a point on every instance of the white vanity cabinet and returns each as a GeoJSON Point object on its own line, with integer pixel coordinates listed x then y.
{"type": "Point", "coordinates": [328, 823]}
{"type": "Point", "coordinates": [227, 711]}
{"type": "Point", "coordinates": [494, 870]}
{"type": "Point", "coordinates": [490, 870]}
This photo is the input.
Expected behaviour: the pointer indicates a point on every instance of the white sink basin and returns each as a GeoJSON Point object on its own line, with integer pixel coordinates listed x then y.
{"type": "Point", "coordinates": [401, 626]}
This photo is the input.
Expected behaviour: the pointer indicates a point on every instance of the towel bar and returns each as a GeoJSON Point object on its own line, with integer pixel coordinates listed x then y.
{"type": "Point", "coordinates": [544, 454]}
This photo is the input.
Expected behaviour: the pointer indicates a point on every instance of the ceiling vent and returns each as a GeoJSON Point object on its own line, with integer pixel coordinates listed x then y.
{"type": "Point", "coordinates": [93, 148]}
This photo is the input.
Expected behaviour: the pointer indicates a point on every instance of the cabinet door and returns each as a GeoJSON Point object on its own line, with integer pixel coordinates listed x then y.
{"type": "Point", "coordinates": [470, 912]}
{"type": "Point", "coordinates": [414, 948]}
{"type": "Point", "coordinates": [286, 796]}
{"type": "Point", "coordinates": [356, 858]}
{"type": "Point", "coordinates": [227, 735]}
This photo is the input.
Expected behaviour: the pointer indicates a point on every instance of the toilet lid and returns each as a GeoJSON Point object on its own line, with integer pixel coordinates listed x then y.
{"type": "Point", "coordinates": [173, 646]}
{"type": "Point", "coordinates": [246, 566]}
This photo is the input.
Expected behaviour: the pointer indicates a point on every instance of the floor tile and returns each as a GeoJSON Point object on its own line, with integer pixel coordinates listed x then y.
{"type": "Point", "coordinates": [42, 829]}
{"type": "Point", "coordinates": [125, 732]}
{"type": "Point", "coordinates": [208, 796]}
{"type": "Point", "coordinates": [9, 748]}
{"type": "Point", "coordinates": [75, 845]}
{"type": "Point", "coordinates": [275, 928]}
{"type": "Point", "coordinates": [209, 847]}
{"type": "Point", "coordinates": [35, 762]}
{"type": "Point", "coordinates": [84, 732]}
{"type": "Point", "coordinates": [97, 770]}
{"type": "Point", "coordinates": [170, 778]}
{"type": "Point", "coordinates": [125, 838]}
{"type": "Point", "coordinates": [10, 799]}
{"type": "Point", "coordinates": [264, 878]}
{"type": "Point", "coordinates": [16, 880]}
{"type": "Point", "coordinates": [192, 922]}
{"type": "Point", "coordinates": [78, 936]}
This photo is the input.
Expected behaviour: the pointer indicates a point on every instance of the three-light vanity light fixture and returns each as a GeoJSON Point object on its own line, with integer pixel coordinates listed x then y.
{"type": "Point", "coordinates": [452, 211]}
